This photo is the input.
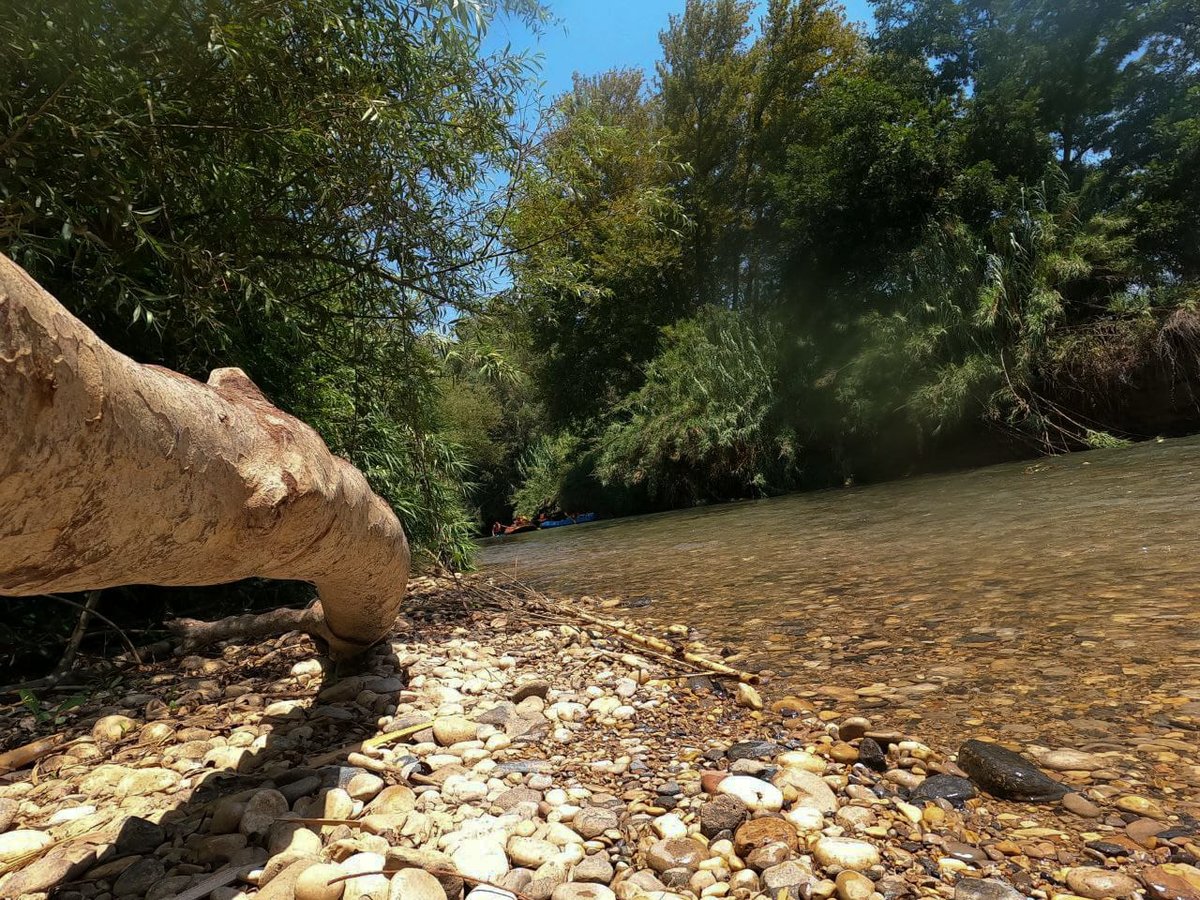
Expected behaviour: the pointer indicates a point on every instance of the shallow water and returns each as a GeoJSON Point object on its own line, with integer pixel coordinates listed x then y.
{"type": "Point", "coordinates": [1052, 603]}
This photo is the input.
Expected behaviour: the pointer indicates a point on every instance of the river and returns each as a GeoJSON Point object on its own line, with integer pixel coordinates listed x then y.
{"type": "Point", "coordinates": [1052, 603]}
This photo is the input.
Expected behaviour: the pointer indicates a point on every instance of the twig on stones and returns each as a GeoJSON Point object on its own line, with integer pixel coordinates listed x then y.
{"type": "Point", "coordinates": [387, 737]}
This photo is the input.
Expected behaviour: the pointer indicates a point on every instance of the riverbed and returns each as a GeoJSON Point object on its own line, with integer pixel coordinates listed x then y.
{"type": "Point", "coordinates": [1050, 603]}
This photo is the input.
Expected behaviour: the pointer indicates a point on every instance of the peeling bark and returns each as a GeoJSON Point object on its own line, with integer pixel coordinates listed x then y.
{"type": "Point", "coordinates": [115, 473]}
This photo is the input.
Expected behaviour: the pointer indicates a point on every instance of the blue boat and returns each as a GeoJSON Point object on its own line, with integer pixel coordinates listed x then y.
{"type": "Point", "coordinates": [569, 520]}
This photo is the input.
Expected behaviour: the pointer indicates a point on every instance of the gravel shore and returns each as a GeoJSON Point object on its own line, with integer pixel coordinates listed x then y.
{"type": "Point", "coordinates": [505, 756]}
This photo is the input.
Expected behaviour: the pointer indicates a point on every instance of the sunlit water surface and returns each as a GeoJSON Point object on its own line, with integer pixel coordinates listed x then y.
{"type": "Point", "coordinates": [1053, 602]}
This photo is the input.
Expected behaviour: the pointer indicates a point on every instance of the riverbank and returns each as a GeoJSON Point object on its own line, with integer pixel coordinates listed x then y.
{"type": "Point", "coordinates": [495, 745]}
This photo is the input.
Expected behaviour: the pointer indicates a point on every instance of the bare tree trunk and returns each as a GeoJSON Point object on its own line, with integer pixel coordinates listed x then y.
{"type": "Point", "coordinates": [115, 473]}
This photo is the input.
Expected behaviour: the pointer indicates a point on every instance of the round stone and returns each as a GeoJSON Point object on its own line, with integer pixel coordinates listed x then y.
{"type": "Point", "coordinates": [16, 844]}
{"type": "Point", "coordinates": [985, 889]}
{"type": "Point", "coordinates": [317, 883]}
{"type": "Point", "coordinates": [724, 813]}
{"type": "Point", "coordinates": [806, 818]}
{"type": "Point", "coordinates": [853, 886]}
{"type": "Point", "coordinates": [261, 811]}
{"type": "Point", "coordinates": [748, 697]}
{"type": "Point", "coordinates": [845, 853]}
{"type": "Point", "coordinates": [768, 855]}
{"type": "Point", "coordinates": [364, 785]}
{"type": "Point", "coordinates": [1097, 884]}
{"type": "Point", "coordinates": [843, 753]}
{"type": "Point", "coordinates": [454, 730]}
{"type": "Point", "coordinates": [675, 853]}
{"type": "Point", "coordinates": [112, 728]}
{"type": "Point", "coordinates": [753, 792]}
{"type": "Point", "coordinates": [594, 869]}
{"type": "Point", "coordinates": [593, 821]}
{"type": "Point", "coordinates": [530, 852]}
{"type": "Point", "coordinates": [137, 880]}
{"type": "Point", "coordinates": [853, 728]}
{"type": "Point", "coordinates": [483, 892]}
{"type": "Point", "coordinates": [1172, 881]}
{"type": "Point", "coordinates": [760, 832]}
{"type": "Point", "coordinates": [803, 760]}
{"type": "Point", "coordinates": [1081, 806]}
{"type": "Point", "coordinates": [1072, 761]}
{"type": "Point", "coordinates": [785, 875]}
{"type": "Point", "coordinates": [811, 789]}
{"type": "Point", "coordinates": [416, 884]}
{"type": "Point", "coordinates": [1142, 806]}
{"type": "Point", "coordinates": [393, 799]}
{"type": "Point", "coordinates": [366, 885]}
{"type": "Point", "coordinates": [481, 859]}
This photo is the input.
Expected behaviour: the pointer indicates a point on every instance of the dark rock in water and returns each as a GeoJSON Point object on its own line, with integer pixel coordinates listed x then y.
{"type": "Point", "coordinates": [985, 889]}
{"type": "Point", "coordinates": [752, 750]}
{"type": "Point", "coordinates": [943, 787]}
{"type": "Point", "coordinates": [1007, 775]}
{"type": "Point", "coordinates": [871, 755]}
{"type": "Point", "coordinates": [978, 639]}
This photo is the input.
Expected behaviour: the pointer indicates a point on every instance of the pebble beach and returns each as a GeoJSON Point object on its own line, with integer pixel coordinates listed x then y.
{"type": "Point", "coordinates": [492, 755]}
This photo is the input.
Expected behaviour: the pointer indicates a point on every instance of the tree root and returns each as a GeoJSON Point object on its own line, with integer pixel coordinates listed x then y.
{"type": "Point", "coordinates": [193, 634]}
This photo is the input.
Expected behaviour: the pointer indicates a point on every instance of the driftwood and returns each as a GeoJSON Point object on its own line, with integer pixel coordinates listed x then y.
{"type": "Point", "coordinates": [114, 473]}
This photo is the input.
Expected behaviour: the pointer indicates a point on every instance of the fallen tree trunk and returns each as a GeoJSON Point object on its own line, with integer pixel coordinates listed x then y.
{"type": "Point", "coordinates": [115, 473]}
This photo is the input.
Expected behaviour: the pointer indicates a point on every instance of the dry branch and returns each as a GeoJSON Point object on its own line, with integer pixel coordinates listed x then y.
{"type": "Point", "coordinates": [530, 598]}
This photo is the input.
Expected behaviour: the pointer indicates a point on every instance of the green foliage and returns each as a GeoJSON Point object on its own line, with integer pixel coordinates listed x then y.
{"type": "Point", "coordinates": [983, 217]}
{"type": "Point", "coordinates": [546, 470]}
{"type": "Point", "coordinates": [295, 188]}
{"type": "Point", "coordinates": [598, 236]}
{"type": "Point", "coordinates": [701, 426]}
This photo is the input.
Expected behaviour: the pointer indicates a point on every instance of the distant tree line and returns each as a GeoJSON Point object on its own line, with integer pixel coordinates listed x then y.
{"type": "Point", "coordinates": [803, 253]}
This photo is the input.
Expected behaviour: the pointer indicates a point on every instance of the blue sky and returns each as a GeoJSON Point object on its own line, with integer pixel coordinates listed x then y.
{"type": "Point", "coordinates": [594, 35]}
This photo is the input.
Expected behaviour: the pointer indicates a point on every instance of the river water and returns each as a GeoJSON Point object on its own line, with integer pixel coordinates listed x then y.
{"type": "Point", "coordinates": [1052, 603]}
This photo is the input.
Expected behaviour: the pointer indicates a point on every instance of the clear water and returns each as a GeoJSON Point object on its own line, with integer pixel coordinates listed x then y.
{"type": "Point", "coordinates": [1053, 602]}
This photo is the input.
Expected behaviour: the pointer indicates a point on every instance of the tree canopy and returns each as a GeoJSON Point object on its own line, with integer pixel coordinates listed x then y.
{"type": "Point", "coordinates": [834, 254]}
